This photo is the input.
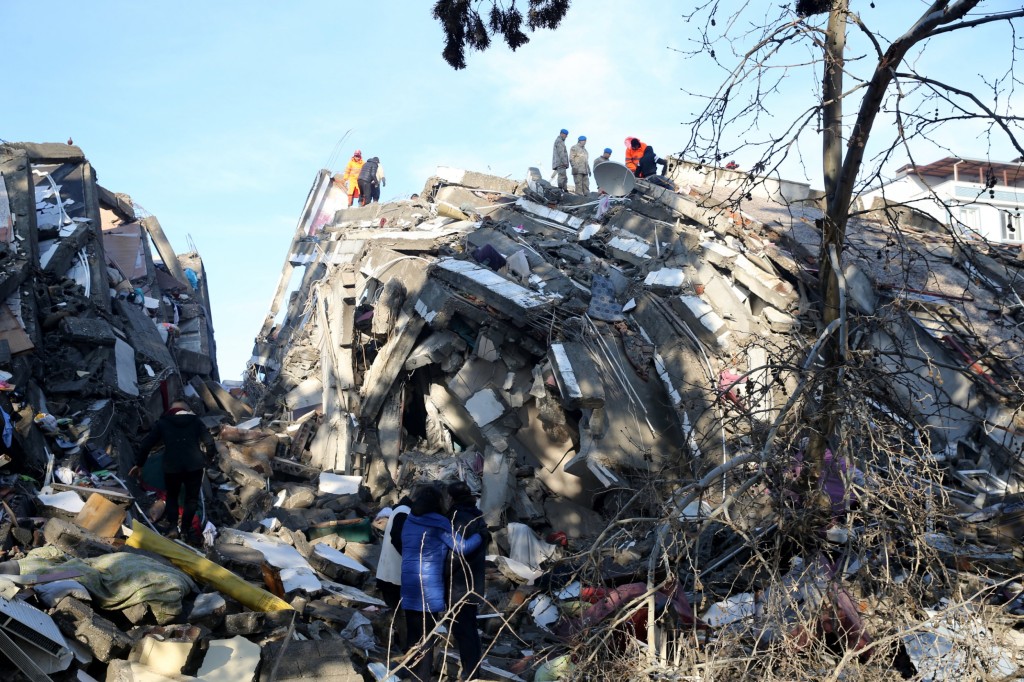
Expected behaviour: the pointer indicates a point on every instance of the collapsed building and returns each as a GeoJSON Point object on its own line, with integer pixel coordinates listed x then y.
{"type": "Point", "coordinates": [102, 320]}
{"type": "Point", "coordinates": [560, 352]}
{"type": "Point", "coordinates": [620, 376]}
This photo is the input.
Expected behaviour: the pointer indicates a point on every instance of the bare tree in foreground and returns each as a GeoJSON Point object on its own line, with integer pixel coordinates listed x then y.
{"type": "Point", "coordinates": [853, 585]}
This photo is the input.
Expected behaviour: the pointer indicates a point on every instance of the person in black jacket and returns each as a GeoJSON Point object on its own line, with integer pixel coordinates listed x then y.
{"type": "Point", "coordinates": [466, 576]}
{"type": "Point", "coordinates": [648, 164]}
{"type": "Point", "coordinates": [182, 434]}
{"type": "Point", "coordinates": [371, 177]}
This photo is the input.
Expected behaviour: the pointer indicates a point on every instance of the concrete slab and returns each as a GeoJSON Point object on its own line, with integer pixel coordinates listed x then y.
{"type": "Point", "coordinates": [701, 318]}
{"type": "Point", "coordinates": [502, 294]}
{"type": "Point", "coordinates": [578, 378]}
{"type": "Point", "coordinates": [230, 660]}
{"type": "Point", "coordinates": [486, 406]}
{"type": "Point", "coordinates": [143, 334]}
{"type": "Point", "coordinates": [127, 378]}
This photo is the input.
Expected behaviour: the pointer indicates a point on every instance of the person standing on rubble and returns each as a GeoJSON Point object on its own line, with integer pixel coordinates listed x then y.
{"type": "Point", "coordinates": [466, 576]}
{"type": "Point", "coordinates": [389, 566]}
{"type": "Point", "coordinates": [634, 152]}
{"type": "Point", "coordinates": [647, 166]}
{"type": "Point", "coordinates": [560, 160]}
{"type": "Point", "coordinates": [183, 435]}
{"type": "Point", "coordinates": [579, 160]}
{"type": "Point", "coordinates": [350, 178]}
{"type": "Point", "coordinates": [427, 536]}
{"type": "Point", "coordinates": [371, 178]}
{"type": "Point", "coordinates": [606, 155]}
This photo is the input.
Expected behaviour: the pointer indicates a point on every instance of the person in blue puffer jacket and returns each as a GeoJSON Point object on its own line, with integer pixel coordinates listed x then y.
{"type": "Point", "coordinates": [427, 537]}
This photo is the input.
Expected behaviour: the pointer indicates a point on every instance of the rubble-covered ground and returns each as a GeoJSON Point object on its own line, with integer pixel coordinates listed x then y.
{"type": "Point", "coordinates": [627, 382]}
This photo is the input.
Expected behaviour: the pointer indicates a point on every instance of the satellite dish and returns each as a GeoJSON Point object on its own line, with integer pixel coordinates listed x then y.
{"type": "Point", "coordinates": [614, 178]}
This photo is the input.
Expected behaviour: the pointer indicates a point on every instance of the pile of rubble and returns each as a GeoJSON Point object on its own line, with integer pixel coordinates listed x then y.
{"type": "Point", "coordinates": [580, 360]}
{"type": "Point", "coordinates": [619, 377]}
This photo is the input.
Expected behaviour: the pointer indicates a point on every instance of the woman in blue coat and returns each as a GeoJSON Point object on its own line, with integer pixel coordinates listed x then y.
{"type": "Point", "coordinates": [427, 537]}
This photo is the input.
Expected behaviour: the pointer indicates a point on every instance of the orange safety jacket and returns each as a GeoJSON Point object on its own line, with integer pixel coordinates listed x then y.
{"type": "Point", "coordinates": [633, 156]}
{"type": "Point", "coordinates": [350, 179]}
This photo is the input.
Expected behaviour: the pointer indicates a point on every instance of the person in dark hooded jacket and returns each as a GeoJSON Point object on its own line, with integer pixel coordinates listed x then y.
{"type": "Point", "coordinates": [648, 164]}
{"type": "Point", "coordinates": [427, 537]}
{"type": "Point", "coordinates": [466, 576]}
{"type": "Point", "coordinates": [371, 177]}
{"type": "Point", "coordinates": [182, 434]}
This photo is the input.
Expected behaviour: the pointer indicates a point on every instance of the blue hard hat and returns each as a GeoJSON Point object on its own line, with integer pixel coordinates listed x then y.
{"type": "Point", "coordinates": [607, 150]}
{"type": "Point", "coordinates": [564, 131]}
{"type": "Point", "coordinates": [583, 138]}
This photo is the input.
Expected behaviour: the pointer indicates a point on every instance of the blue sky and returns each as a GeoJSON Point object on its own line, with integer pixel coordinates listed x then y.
{"type": "Point", "coordinates": [216, 116]}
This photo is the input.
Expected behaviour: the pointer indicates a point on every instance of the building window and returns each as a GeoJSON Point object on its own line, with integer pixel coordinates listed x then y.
{"type": "Point", "coordinates": [1011, 226]}
{"type": "Point", "coordinates": [970, 220]}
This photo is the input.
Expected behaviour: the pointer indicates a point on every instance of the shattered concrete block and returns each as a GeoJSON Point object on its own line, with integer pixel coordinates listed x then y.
{"type": "Point", "coordinates": [230, 660]}
{"type": "Point", "coordinates": [779, 321]}
{"type": "Point", "coordinates": [700, 318]}
{"type": "Point", "coordinates": [246, 623]}
{"type": "Point", "coordinates": [498, 486]}
{"type": "Point", "coordinates": [629, 249]}
{"type": "Point", "coordinates": [91, 331]}
{"type": "Point", "coordinates": [74, 539]}
{"type": "Point", "coordinates": [765, 286]}
{"type": "Point", "coordinates": [482, 181]}
{"type": "Point", "coordinates": [486, 406]}
{"type": "Point", "coordinates": [578, 378]}
{"type": "Point", "coordinates": [164, 654]}
{"type": "Point", "coordinates": [454, 415]}
{"type": "Point", "coordinates": [143, 334]}
{"type": "Point", "coordinates": [103, 639]}
{"type": "Point", "coordinates": [504, 295]}
{"type": "Point", "coordinates": [557, 216]}
{"type": "Point", "coordinates": [665, 280]}
{"type": "Point", "coordinates": [324, 661]}
{"type": "Point", "coordinates": [860, 289]}
{"type": "Point", "coordinates": [307, 394]}
{"type": "Point", "coordinates": [436, 348]}
{"type": "Point", "coordinates": [208, 610]}
{"type": "Point", "coordinates": [720, 254]}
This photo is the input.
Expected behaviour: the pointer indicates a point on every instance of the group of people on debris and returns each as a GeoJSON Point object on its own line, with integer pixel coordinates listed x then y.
{"type": "Point", "coordinates": [640, 159]}
{"type": "Point", "coordinates": [362, 180]}
{"type": "Point", "coordinates": [432, 561]}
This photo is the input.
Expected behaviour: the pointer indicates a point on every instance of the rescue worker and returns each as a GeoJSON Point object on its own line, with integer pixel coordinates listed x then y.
{"type": "Point", "coordinates": [560, 160]}
{"type": "Point", "coordinates": [579, 160]}
{"type": "Point", "coordinates": [634, 152]}
{"type": "Point", "coordinates": [605, 156]}
{"type": "Point", "coordinates": [182, 433]}
{"type": "Point", "coordinates": [647, 166]}
{"type": "Point", "coordinates": [371, 177]}
{"type": "Point", "coordinates": [350, 178]}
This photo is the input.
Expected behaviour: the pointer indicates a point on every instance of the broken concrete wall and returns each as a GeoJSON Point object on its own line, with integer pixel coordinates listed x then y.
{"type": "Point", "coordinates": [89, 325]}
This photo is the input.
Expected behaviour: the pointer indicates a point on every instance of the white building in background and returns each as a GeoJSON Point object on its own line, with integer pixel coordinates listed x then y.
{"type": "Point", "coordinates": [979, 198]}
